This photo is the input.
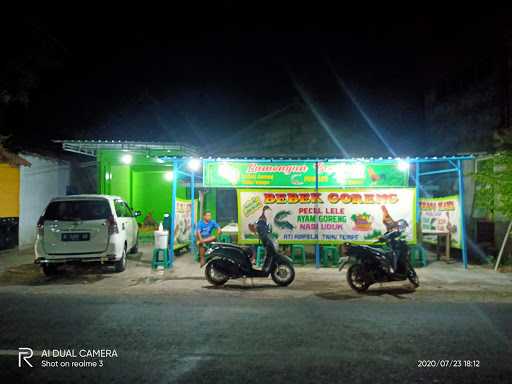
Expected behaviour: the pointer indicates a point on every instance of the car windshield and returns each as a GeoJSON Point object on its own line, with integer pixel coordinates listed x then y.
{"type": "Point", "coordinates": [78, 210]}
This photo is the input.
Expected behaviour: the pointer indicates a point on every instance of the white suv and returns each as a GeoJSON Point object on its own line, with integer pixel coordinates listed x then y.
{"type": "Point", "coordinates": [85, 228]}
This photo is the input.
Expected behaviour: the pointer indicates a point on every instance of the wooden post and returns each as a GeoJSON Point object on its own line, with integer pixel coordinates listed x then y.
{"type": "Point", "coordinates": [503, 246]}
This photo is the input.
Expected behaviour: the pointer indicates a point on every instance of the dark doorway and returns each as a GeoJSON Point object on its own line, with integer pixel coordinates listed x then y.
{"type": "Point", "coordinates": [226, 206]}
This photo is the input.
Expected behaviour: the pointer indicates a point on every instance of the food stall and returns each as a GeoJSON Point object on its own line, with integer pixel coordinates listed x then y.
{"type": "Point", "coordinates": [326, 202]}
{"type": "Point", "coordinates": [319, 202]}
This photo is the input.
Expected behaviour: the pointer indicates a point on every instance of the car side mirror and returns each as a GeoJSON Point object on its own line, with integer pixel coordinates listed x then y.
{"type": "Point", "coordinates": [137, 213]}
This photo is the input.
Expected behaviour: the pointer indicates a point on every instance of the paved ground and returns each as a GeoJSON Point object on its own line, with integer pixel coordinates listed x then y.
{"type": "Point", "coordinates": [439, 282]}
{"type": "Point", "coordinates": [173, 327]}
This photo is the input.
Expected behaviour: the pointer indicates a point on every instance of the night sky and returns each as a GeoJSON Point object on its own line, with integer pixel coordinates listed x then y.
{"type": "Point", "coordinates": [196, 72]}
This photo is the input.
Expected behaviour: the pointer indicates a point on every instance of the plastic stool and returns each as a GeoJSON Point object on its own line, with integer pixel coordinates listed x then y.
{"type": "Point", "coordinates": [260, 255]}
{"type": "Point", "coordinates": [329, 251]}
{"type": "Point", "coordinates": [418, 256]}
{"type": "Point", "coordinates": [156, 261]}
{"type": "Point", "coordinates": [301, 255]}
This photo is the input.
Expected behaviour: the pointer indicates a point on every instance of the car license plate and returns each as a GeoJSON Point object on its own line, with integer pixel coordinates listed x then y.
{"type": "Point", "coordinates": [75, 236]}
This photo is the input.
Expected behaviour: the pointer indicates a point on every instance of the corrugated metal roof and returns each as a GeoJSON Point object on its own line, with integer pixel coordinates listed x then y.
{"type": "Point", "coordinates": [90, 147]}
{"type": "Point", "coordinates": [327, 159]}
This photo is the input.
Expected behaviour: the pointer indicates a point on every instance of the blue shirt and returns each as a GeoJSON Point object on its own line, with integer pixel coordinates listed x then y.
{"type": "Point", "coordinates": [205, 229]}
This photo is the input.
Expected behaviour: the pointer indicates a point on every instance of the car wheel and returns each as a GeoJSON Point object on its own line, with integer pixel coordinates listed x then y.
{"type": "Point", "coordinates": [49, 270]}
{"type": "Point", "coordinates": [120, 265]}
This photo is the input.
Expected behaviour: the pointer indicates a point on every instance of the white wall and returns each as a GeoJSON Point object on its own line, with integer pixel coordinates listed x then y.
{"type": "Point", "coordinates": [45, 179]}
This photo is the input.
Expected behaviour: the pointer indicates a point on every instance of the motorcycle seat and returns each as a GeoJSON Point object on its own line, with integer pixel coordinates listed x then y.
{"type": "Point", "coordinates": [376, 251]}
{"type": "Point", "coordinates": [245, 249]}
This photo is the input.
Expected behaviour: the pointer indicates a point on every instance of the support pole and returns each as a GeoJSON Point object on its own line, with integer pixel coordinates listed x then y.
{"type": "Point", "coordinates": [192, 213]}
{"type": "Point", "coordinates": [463, 216]}
{"type": "Point", "coordinates": [418, 234]}
{"type": "Point", "coordinates": [418, 186]}
{"type": "Point", "coordinates": [317, 246]}
{"type": "Point", "coordinates": [173, 211]}
{"type": "Point", "coordinates": [507, 234]}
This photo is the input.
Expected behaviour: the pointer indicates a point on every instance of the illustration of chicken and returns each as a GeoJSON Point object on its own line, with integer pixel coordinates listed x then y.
{"type": "Point", "coordinates": [387, 220]}
{"type": "Point", "coordinates": [373, 174]}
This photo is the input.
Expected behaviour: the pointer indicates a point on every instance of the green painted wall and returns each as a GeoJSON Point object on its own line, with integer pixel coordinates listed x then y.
{"type": "Point", "coordinates": [142, 184]}
{"type": "Point", "coordinates": [120, 183]}
{"type": "Point", "coordinates": [151, 192]}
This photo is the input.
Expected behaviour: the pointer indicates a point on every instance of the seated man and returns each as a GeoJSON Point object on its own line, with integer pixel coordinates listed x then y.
{"type": "Point", "coordinates": [204, 234]}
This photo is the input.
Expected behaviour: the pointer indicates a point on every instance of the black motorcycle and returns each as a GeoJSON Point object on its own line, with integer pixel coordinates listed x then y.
{"type": "Point", "coordinates": [228, 261]}
{"type": "Point", "coordinates": [370, 265]}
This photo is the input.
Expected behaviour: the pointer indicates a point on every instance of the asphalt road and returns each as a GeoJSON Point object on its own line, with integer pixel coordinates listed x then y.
{"type": "Point", "coordinates": [226, 339]}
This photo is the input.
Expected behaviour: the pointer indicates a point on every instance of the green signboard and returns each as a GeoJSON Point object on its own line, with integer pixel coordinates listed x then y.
{"type": "Point", "coordinates": [286, 174]}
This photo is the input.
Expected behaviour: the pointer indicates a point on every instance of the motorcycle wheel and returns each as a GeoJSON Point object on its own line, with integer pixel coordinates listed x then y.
{"type": "Point", "coordinates": [413, 277]}
{"type": "Point", "coordinates": [283, 274]}
{"type": "Point", "coordinates": [355, 280]}
{"type": "Point", "coordinates": [213, 276]}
